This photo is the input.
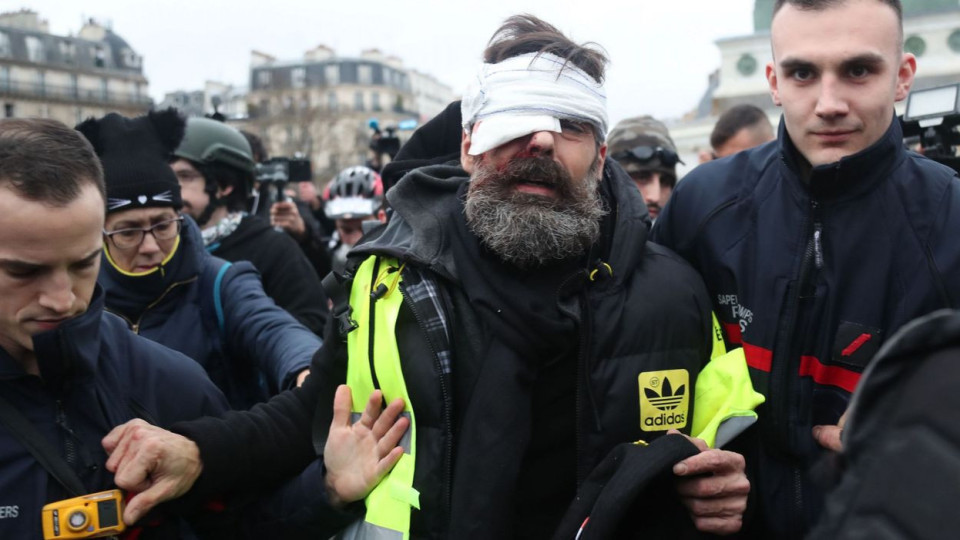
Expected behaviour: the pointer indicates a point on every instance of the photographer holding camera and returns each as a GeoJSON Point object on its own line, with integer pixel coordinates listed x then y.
{"type": "Point", "coordinates": [292, 216]}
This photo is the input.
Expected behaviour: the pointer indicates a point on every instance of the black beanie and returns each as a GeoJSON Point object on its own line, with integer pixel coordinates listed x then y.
{"type": "Point", "coordinates": [135, 153]}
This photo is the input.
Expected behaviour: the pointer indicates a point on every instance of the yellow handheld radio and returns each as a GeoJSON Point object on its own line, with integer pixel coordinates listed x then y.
{"type": "Point", "coordinates": [88, 516]}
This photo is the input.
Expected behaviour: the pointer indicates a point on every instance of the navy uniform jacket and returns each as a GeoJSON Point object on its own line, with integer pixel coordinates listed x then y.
{"type": "Point", "coordinates": [810, 276]}
{"type": "Point", "coordinates": [94, 374]}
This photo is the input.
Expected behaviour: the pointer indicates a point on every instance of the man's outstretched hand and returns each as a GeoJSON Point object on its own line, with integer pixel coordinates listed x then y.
{"type": "Point", "coordinates": [154, 463]}
{"type": "Point", "coordinates": [358, 455]}
{"type": "Point", "coordinates": [713, 487]}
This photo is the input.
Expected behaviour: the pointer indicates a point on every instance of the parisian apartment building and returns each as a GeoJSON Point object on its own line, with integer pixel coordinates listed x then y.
{"type": "Point", "coordinates": [320, 106]}
{"type": "Point", "coordinates": [67, 78]}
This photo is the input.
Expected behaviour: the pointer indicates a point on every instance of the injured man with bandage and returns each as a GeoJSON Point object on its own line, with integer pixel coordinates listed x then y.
{"type": "Point", "coordinates": [502, 344]}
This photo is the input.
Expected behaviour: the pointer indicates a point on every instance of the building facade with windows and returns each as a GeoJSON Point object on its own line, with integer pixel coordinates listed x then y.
{"type": "Point", "coordinates": [320, 106]}
{"type": "Point", "coordinates": [216, 97]}
{"type": "Point", "coordinates": [67, 78]}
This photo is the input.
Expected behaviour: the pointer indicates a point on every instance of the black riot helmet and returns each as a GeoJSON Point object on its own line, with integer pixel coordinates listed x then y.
{"type": "Point", "coordinates": [223, 156]}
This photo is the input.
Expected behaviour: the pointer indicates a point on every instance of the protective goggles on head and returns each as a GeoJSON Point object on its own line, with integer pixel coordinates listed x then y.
{"type": "Point", "coordinates": [667, 157]}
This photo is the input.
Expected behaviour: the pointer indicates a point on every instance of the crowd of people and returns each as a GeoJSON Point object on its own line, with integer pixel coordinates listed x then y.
{"type": "Point", "coordinates": [527, 327]}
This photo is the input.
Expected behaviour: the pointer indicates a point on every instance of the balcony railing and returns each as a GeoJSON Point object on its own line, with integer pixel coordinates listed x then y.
{"type": "Point", "coordinates": [28, 90]}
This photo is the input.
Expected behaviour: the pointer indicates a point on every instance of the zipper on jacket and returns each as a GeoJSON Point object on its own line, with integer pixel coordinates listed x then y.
{"type": "Point", "coordinates": [781, 398]}
{"type": "Point", "coordinates": [374, 296]}
{"type": "Point", "coordinates": [798, 497]}
{"type": "Point", "coordinates": [813, 255]}
{"type": "Point", "coordinates": [584, 391]}
{"type": "Point", "coordinates": [784, 371]}
{"type": "Point", "coordinates": [447, 414]}
{"type": "Point", "coordinates": [135, 325]}
{"type": "Point", "coordinates": [69, 446]}
{"type": "Point", "coordinates": [583, 387]}
{"type": "Point", "coordinates": [817, 234]}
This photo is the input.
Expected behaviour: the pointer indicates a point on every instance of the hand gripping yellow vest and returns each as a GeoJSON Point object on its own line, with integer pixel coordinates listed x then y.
{"type": "Point", "coordinates": [725, 398]}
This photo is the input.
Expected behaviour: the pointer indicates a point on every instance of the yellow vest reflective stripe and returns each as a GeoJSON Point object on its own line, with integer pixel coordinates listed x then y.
{"type": "Point", "coordinates": [725, 399]}
{"type": "Point", "coordinates": [375, 298]}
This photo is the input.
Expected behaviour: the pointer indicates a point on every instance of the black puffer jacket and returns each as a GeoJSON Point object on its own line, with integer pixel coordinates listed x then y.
{"type": "Point", "coordinates": [652, 314]}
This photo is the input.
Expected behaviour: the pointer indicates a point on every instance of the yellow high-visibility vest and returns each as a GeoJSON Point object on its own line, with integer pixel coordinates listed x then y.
{"type": "Point", "coordinates": [724, 394]}
{"type": "Point", "coordinates": [375, 298]}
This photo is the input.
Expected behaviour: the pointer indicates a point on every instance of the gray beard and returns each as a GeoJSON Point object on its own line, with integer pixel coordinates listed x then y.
{"type": "Point", "coordinates": [529, 230]}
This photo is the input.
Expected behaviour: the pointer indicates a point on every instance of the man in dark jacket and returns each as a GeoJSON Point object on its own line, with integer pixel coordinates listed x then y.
{"type": "Point", "coordinates": [818, 246]}
{"type": "Point", "coordinates": [512, 314]}
{"type": "Point", "coordinates": [68, 369]}
{"type": "Point", "coordinates": [215, 167]}
{"type": "Point", "coordinates": [159, 279]}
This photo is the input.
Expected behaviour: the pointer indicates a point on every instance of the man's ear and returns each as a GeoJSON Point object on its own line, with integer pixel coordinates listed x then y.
{"type": "Point", "coordinates": [772, 81]}
{"type": "Point", "coordinates": [908, 68]}
{"type": "Point", "coordinates": [467, 161]}
{"type": "Point", "coordinates": [224, 191]}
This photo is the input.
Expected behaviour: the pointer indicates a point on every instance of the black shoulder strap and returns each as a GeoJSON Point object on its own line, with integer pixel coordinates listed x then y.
{"type": "Point", "coordinates": [41, 448]}
{"type": "Point", "coordinates": [337, 287]}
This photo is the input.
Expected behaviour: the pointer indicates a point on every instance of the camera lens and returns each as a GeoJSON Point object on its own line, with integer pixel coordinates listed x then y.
{"type": "Point", "coordinates": [77, 519]}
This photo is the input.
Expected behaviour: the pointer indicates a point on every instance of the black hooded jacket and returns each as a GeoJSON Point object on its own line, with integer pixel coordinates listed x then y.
{"type": "Point", "coordinates": [288, 277]}
{"type": "Point", "coordinates": [650, 314]}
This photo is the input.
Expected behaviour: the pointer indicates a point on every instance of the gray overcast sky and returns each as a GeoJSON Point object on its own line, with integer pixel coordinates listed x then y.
{"type": "Point", "coordinates": [661, 51]}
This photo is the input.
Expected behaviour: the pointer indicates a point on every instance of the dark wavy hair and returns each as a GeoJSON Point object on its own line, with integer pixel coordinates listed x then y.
{"type": "Point", "coordinates": [522, 34]}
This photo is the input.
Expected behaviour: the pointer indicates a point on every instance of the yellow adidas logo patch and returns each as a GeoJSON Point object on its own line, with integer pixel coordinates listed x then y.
{"type": "Point", "coordinates": [664, 399]}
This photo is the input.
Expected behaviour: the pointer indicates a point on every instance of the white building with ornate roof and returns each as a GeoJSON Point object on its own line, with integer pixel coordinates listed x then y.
{"type": "Point", "coordinates": [931, 31]}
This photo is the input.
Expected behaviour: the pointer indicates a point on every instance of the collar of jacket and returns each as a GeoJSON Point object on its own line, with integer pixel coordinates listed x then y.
{"type": "Point", "coordinates": [418, 230]}
{"type": "Point", "coordinates": [250, 226]}
{"type": "Point", "coordinates": [68, 352]}
{"type": "Point", "coordinates": [129, 295]}
{"type": "Point", "coordinates": [849, 177]}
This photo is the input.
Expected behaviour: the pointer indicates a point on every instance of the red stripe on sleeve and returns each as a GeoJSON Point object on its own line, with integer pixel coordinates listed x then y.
{"type": "Point", "coordinates": [828, 375]}
{"type": "Point", "coordinates": [733, 333]}
{"type": "Point", "coordinates": [852, 348]}
{"type": "Point", "coordinates": [758, 357]}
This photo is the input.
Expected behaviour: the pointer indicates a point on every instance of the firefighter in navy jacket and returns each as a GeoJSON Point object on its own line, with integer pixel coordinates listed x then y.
{"type": "Point", "coordinates": [70, 369]}
{"type": "Point", "coordinates": [818, 246]}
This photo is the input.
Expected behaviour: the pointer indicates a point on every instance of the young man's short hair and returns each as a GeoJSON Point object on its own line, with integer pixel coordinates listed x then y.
{"type": "Point", "coordinates": [735, 119]}
{"type": "Point", "coordinates": [820, 5]}
{"type": "Point", "coordinates": [46, 161]}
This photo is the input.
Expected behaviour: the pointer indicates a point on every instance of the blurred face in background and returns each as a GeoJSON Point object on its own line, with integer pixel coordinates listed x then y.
{"type": "Point", "coordinates": [192, 188]}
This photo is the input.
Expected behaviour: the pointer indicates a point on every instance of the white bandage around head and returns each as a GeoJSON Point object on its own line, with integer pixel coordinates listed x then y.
{"type": "Point", "coordinates": [526, 94]}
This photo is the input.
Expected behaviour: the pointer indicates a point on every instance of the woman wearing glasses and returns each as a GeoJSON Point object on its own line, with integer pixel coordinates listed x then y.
{"type": "Point", "coordinates": [159, 278]}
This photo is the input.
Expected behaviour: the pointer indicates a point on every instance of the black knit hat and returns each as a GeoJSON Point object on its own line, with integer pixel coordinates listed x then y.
{"type": "Point", "coordinates": [135, 153]}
